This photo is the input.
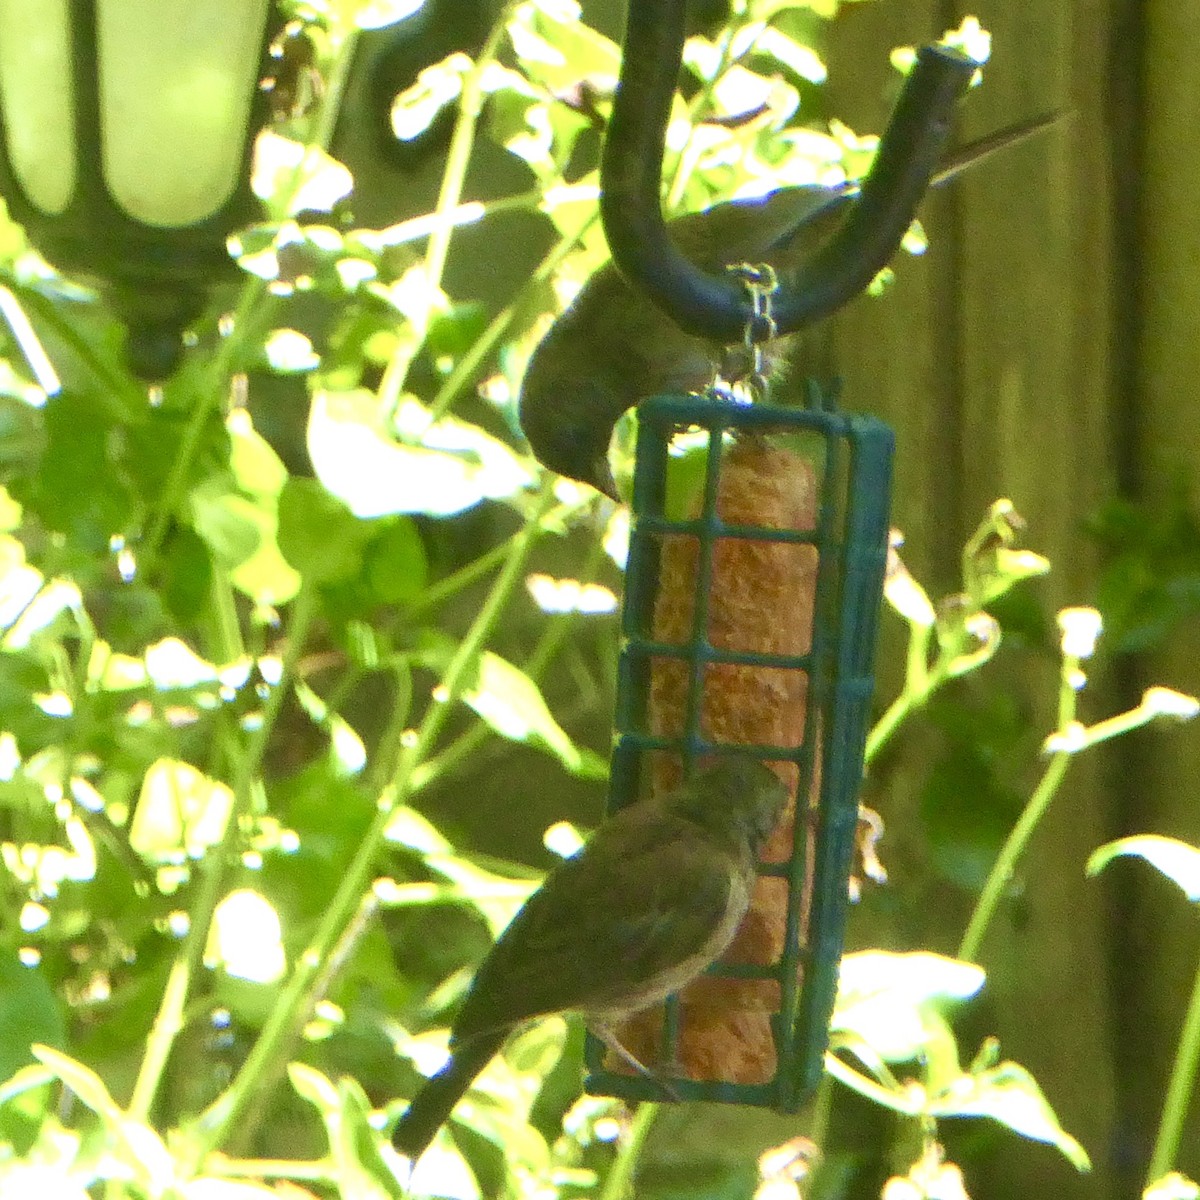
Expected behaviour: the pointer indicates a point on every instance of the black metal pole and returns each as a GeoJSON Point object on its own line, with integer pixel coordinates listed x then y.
{"type": "Point", "coordinates": [716, 306]}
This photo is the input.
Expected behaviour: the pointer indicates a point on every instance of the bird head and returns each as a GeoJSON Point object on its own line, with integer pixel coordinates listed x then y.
{"type": "Point", "coordinates": [736, 797]}
{"type": "Point", "coordinates": [563, 416]}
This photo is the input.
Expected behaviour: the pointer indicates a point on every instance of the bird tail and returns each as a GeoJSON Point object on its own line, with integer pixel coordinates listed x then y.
{"type": "Point", "coordinates": [433, 1103]}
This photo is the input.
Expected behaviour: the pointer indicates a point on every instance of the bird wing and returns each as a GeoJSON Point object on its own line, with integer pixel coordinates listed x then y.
{"type": "Point", "coordinates": [642, 897]}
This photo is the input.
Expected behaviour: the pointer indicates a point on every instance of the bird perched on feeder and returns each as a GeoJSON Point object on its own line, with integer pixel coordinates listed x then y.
{"type": "Point", "coordinates": [613, 347]}
{"type": "Point", "coordinates": [652, 899]}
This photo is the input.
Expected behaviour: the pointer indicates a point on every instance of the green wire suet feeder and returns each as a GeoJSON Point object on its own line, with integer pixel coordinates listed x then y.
{"type": "Point", "coordinates": [706, 669]}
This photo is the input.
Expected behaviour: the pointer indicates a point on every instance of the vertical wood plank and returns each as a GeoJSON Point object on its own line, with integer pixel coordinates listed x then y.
{"type": "Point", "coordinates": [990, 357]}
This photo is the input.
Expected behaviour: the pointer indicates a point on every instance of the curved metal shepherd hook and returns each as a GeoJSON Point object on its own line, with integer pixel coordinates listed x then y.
{"type": "Point", "coordinates": [716, 306]}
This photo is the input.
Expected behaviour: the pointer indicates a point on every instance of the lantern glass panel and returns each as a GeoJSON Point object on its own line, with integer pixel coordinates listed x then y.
{"type": "Point", "coordinates": [36, 89]}
{"type": "Point", "coordinates": [176, 86]}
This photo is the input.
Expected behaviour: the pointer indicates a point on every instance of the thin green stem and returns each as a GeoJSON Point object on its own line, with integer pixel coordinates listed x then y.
{"type": "Point", "coordinates": [227, 633]}
{"type": "Point", "coordinates": [1010, 854]}
{"type": "Point", "coordinates": [168, 1024]}
{"type": "Point", "coordinates": [111, 382]}
{"type": "Point", "coordinates": [458, 158]}
{"type": "Point", "coordinates": [920, 682]}
{"type": "Point", "coordinates": [856, 1081]}
{"type": "Point", "coordinates": [254, 305]}
{"type": "Point", "coordinates": [169, 1019]}
{"type": "Point", "coordinates": [293, 1006]}
{"type": "Point", "coordinates": [320, 1171]}
{"type": "Point", "coordinates": [1179, 1090]}
{"type": "Point", "coordinates": [456, 581]}
{"type": "Point", "coordinates": [1018, 839]}
{"type": "Point", "coordinates": [618, 1184]}
{"type": "Point", "coordinates": [472, 211]}
{"type": "Point", "coordinates": [466, 367]}
{"type": "Point", "coordinates": [543, 653]}
{"type": "Point", "coordinates": [253, 296]}
{"type": "Point", "coordinates": [326, 115]}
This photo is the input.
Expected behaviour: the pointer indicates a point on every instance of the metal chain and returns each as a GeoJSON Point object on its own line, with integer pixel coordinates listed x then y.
{"type": "Point", "coordinates": [747, 363]}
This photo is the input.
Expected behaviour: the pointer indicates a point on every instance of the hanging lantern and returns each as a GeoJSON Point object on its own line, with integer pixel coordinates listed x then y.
{"type": "Point", "coordinates": [755, 577]}
{"type": "Point", "coordinates": [126, 128]}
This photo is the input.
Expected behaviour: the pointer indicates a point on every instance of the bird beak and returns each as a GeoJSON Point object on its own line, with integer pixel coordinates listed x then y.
{"type": "Point", "coordinates": [601, 478]}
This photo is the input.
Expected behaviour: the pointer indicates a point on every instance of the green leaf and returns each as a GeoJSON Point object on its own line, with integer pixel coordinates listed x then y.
{"type": "Point", "coordinates": [318, 534]}
{"type": "Point", "coordinates": [894, 1002]}
{"type": "Point", "coordinates": [345, 1114]}
{"type": "Point", "coordinates": [83, 1081]}
{"type": "Point", "coordinates": [314, 1087]}
{"type": "Point", "coordinates": [512, 704]}
{"type": "Point", "coordinates": [556, 49]}
{"type": "Point", "coordinates": [291, 177]}
{"type": "Point", "coordinates": [180, 813]}
{"type": "Point", "coordinates": [211, 1187]}
{"type": "Point", "coordinates": [81, 488]}
{"type": "Point", "coordinates": [1172, 1186]}
{"type": "Point", "coordinates": [1009, 1094]}
{"type": "Point", "coordinates": [29, 1013]}
{"type": "Point", "coordinates": [231, 525]}
{"type": "Point", "coordinates": [375, 14]}
{"type": "Point", "coordinates": [1178, 861]}
{"type": "Point", "coordinates": [396, 566]}
{"type": "Point", "coordinates": [356, 1150]}
{"type": "Point", "coordinates": [436, 89]}
{"type": "Point", "coordinates": [439, 469]}
{"type": "Point", "coordinates": [289, 352]}
{"type": "Point", "coordinates": [256, 467]}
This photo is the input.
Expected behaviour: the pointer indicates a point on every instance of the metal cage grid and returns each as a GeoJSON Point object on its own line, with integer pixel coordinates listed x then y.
{"type": "Point", "coordinates": [850, 535]}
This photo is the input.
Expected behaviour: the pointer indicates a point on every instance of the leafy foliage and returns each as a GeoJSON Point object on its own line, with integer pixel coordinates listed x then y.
{"type": "Point", "coordinates": [243, 643]}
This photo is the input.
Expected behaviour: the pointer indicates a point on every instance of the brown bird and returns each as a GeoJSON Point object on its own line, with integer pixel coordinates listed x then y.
{"type": "Point", "coordinates": [613, 347]}
{"type": "Point", "coordinates": [654, 897]}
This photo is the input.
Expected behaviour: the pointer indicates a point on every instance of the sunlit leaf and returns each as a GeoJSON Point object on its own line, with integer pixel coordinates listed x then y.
{"type": "Point", "coordinates": [10, 512]}
{"type": "Point", "coordinates": [512, 704]}
{"type": "Point", "coordinates": [1178, 861]}
{"type": "Point", "coordinates": [443, 1173]}
{"type": "Point", "coordinates": [437, 87]}
{"type": "Point", "coordinates": [294, 178]}
{"type": "Point", "coordinates": [800, 58]}
{"type": "Point", "coordinates": [376, 14]}
{"type": "Point", "coordinates": [289, 352]}
{"type": "Point", "coordinates": [347, 752]}
{"type": "Point", "coordinates": [558, 50]}
{"type": "Point", "coordinates": [25, 1180]}
{"type": "Point", "coordinates": [360, 1165]}
{"type": "Point", "coordinates": [83, 1081]}
{"type": "Point", "coordinates": [439, 469]}
{"type": "Point", "coordinates": [1172, 1186]}
{"type": "Point", "coordinates": [230, 524]}
{"type": "Point", "coordinates": [208, 1187]}
{"type": "Point", "coordinates": [246, 938]}
{"type": "Point", "coordinates": [56, 598]}
{"type": "Point", "coordinates": [172, 664]}
{"type": "Point", "coordinates": [266, 576]}
{"type": "Point", "coordinates": [180, 813]}
{"type": "Point", "coordinates": [256, 467]}
{"type": "Point", "coordinates": [1009, 1094]}
{"type": "Point", "coordinates": [893, 1002]}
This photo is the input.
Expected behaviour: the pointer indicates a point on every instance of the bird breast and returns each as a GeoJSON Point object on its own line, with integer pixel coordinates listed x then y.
{"type": "Point", "coordinates": [682, 973]}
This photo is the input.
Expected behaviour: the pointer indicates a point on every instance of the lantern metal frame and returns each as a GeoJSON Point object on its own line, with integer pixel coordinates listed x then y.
{"type": "Point", "coordinates": [156, 277]}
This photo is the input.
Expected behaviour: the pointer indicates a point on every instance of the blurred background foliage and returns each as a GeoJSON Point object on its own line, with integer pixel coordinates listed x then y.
{"type": "Point", "coordinates": [306, 669]}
